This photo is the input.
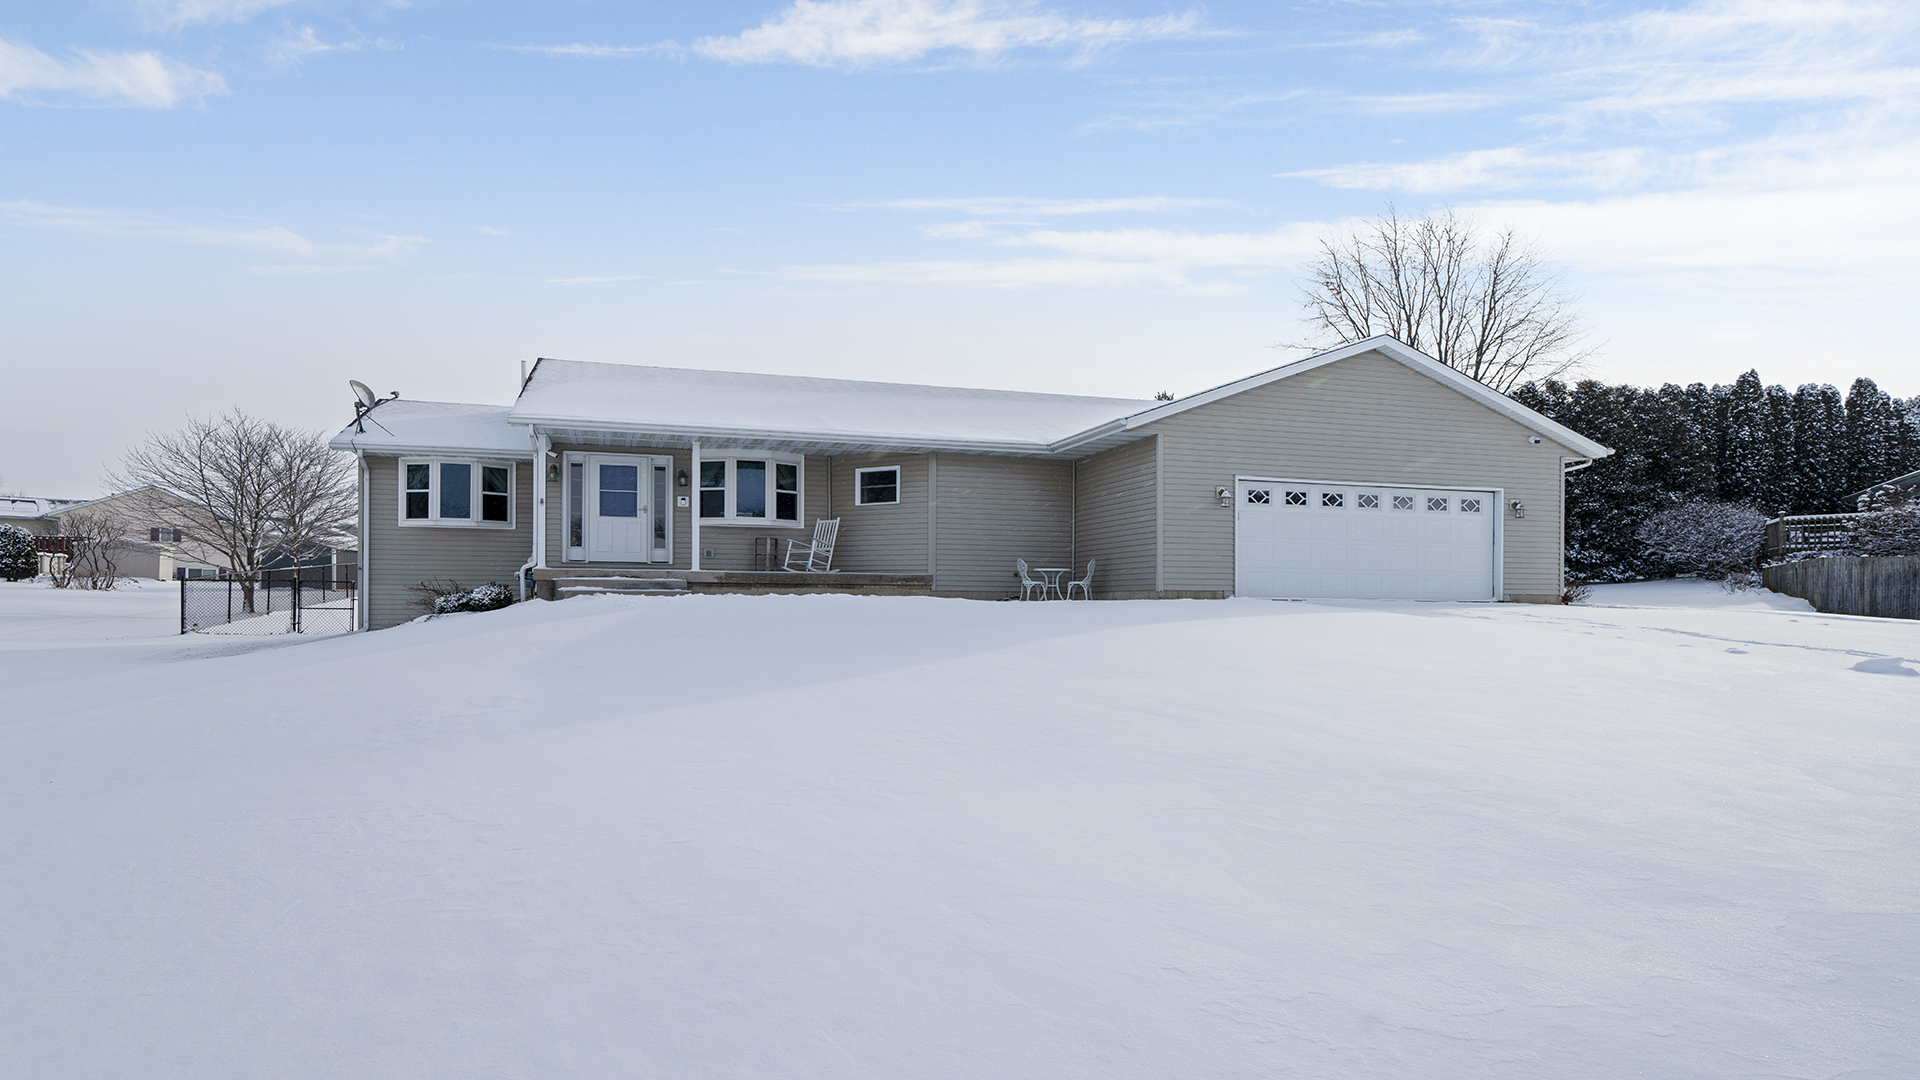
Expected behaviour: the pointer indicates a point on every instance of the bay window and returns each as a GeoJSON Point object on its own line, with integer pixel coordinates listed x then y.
{"type": "Point", "coordinates": [763, 488]}
{"type": "Point", "coordinates": [465, 493]}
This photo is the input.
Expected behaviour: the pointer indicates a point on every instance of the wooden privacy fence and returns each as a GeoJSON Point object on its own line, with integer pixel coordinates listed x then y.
{"type": "Point", "coordinates": [1885, 586]}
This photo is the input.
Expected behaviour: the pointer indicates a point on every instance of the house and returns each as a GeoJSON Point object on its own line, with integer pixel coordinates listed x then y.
{"type": "Point", "coordinates": [141, 526]}
{"type": "Point", "coordinates": [1368, 471]}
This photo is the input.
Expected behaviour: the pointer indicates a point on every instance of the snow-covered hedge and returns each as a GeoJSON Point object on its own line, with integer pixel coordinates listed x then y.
{"type": "Point", "coordinates": [483, 598]}
{"type": "Point", "coordinates": [1706, 536]}
{"type": "Point", "coordinates": [18, 559]}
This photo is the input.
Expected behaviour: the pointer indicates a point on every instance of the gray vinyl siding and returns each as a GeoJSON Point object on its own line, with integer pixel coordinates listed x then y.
{"type": "Point", "coordinates": [732, 545]}
{"type": "Point", "coordinates": [989, 511]}
{"type": "Point", "coordinates": [1114, 517]}
{"type": "Point", "coordinates": [402, 555]}
{"type": "Point", "coordinates": [1366, 419]}
{"type": "Point", "coordinates": [887, 539]}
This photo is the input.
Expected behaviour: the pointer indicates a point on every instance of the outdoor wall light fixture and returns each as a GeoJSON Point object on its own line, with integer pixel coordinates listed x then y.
{"type": "Point", "coordinates": [1519, 508]}
{"type": "Point", "coordinates": [1225, 495]}
{"type": "Point", "coordinates": [680, 478]}
{"type": "Point", "coordinates": [553, 471]}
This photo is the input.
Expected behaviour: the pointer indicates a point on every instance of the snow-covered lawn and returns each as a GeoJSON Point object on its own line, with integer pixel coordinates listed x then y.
{"type": "Point", "coordinates": [853, 837]}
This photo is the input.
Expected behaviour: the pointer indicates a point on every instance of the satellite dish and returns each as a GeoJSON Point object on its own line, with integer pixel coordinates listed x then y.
{"type": "Point", "coordinates": [364, 393]}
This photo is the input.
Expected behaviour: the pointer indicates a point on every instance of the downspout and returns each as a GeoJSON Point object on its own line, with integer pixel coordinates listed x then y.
{"type": "Point", "coordinates": [694, 560]}
{"type": "Point", "coordinates": [366, 504]}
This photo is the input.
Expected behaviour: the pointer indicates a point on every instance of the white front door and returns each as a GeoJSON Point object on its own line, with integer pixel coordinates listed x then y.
{"type": "Point", "coordinates": [1304, 539]}
{"type": "Point", "coordinates": [616, 509]}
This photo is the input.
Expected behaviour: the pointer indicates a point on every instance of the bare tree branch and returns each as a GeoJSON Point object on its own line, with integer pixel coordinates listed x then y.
{"type": "Point", "coordinates": [1486, 307]}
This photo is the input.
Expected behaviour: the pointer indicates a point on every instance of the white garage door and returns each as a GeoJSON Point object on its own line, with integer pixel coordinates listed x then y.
{"type": "Point", "coordinates": [1299, 539]}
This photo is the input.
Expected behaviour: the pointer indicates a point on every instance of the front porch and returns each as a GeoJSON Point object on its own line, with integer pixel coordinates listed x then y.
{"type": "Point", "coordinates": [558, 583]}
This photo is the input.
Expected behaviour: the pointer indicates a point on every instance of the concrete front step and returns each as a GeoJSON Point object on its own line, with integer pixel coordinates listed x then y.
{"type": "Point", "coordinates": [618, 584]}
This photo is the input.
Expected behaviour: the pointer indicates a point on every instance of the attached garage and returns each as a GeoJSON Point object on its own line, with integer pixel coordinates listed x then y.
{"type": "Point", "coordinates": [1307, 539]}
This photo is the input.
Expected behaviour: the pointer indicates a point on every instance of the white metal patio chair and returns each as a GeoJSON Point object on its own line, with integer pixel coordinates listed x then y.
{"type": "Point", "coordinates": [1029, 584]}
{"type": "Point", "coordinates": [1085, 584]}
{"type": "Point", "coordinates": [815, 557]}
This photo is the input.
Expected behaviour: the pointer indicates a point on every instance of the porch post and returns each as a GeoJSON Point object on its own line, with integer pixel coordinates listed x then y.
{"type": "Point", "coordinates": [542, 446]}
{"type": "Point", "coordinates": [694, 506]}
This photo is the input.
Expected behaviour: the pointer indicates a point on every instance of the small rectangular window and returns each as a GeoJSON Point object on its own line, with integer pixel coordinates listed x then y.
{"type": "Point", "coordinates": [419, 483]}
{"type": "Point", "coordinates": [494, 493]}
{"type": "Point", "coordinates": [786, 491]}
{"type": "Point", "coordinates": [619, 491]}
{"type": "Point", "coordinates": [1367, 502]}
{"type": "Point", "coordinates": [1296, 498]}
{"type": "Point", "coordinates": [713, 489]}
{"type": "Point", "coordinates": [1260, 496]}
{"type": "Point", "coordinates": [1437, 503]}
{"type": "Point", "coordinates": [1333, 500]}
{"type": "Point", "coordinates": [1469, 506]}
{"type": "Point", "coordinates": [875, 486]}
{"type": "Point", "coordinates": [1403, 502]}
{"type": "Point", "coordinates": [576, 503]}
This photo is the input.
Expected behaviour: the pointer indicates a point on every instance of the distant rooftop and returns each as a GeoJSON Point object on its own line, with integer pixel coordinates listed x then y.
{"type": "Point", "coordinates": [21, 506]}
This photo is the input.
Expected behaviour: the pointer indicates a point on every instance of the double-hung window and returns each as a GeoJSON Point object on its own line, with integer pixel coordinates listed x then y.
{"type": "Point", "coordinates": [457, 492]}
{"type": "Point", "coordinates": [758, 489]}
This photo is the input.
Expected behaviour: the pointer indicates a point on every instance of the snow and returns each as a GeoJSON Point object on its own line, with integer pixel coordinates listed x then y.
{"type": "Point", "coordinates": [832, 836]}
{"type": "Point", "coordinates": [403, 427]}
{"type": "Point", "coordinates": [1692, 593]}
{"type": "Point", "coordinates": [723, 403]}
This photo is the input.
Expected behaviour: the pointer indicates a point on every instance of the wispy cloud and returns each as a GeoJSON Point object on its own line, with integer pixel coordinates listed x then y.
{"type": "Point", "coordinates": [271, 239]}
{"type": "Point", "coordinates": [306, 42]}
{"type": "Point", "coordinates": [309, 268]}
{"type": "Point", "coordinates": [594, 52]}
{"type": "Point", "coordinates": [1000, 206]}
{"type": "Point", "coordinates": [177, 13]}
{"type": "Point", "coordinates": [491, 231]}
{"type": "Point", "coordinates": [605, 279]}
{"type": "Point", "coordinates": [1184, 261]}
{"type": "Point", "coordinates": [142, 79]}
{"type": "Point", "coordinates": [856, 33]}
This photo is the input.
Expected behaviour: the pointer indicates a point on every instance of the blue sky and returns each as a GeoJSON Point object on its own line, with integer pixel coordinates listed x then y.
{"type": "Point", "coordinates": [214, 202]}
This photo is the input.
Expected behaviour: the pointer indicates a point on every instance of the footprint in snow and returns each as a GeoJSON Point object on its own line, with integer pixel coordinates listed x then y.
{"type": "Point", "coordinates": [1885, 665]}
{"type": "Point", "coordinates": [1742, 652]}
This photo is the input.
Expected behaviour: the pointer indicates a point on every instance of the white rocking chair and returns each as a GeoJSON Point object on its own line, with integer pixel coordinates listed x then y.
{"type": "Point", "coordinates": [816, 557]}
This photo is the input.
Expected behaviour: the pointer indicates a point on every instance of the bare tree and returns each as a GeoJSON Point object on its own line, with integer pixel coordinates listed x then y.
{"type": "Point", "coordinates": [247, 488]}
{"type": "Point", "coordinates": [1487, 307]}
{"type": "Point", "coordinates": [96, 541]}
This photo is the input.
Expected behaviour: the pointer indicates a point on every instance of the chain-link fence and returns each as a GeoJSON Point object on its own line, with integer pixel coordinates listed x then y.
{"type": "Point", "coordinates": [275, 603]}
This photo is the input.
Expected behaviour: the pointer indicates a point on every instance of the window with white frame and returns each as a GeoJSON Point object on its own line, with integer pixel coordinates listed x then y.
{"type": "Point", "coordinates": [758, 489]}
{"type": "Point", "coordinates": [876, 486]}
{"type": "Point", "coordinates": [457, 492]}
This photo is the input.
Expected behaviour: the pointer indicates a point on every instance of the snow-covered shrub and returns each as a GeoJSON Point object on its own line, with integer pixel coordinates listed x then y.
{"type": "Point", "coordinates": [18, 559]}
{"type": "Point", "coordinates": [1705, 536]}
{"type": "Point", "coordinates": [1889, 524]}
{"type": "Point", "coordinates": [1575, 592]}
{"type": "Point", "coordinates": [444, 596]}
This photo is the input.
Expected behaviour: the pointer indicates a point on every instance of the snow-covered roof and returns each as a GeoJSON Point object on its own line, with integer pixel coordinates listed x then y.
{"type": "Point", "coordinates": [723, 405]}
{"type": "Point", "coordinates": [424, 427]}
{"type": "Point", "coordinates": [22, 506]}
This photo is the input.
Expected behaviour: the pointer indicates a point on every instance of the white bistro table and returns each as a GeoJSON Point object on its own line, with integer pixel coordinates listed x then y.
{"type": "Point", "coordinates": [1051, 574]}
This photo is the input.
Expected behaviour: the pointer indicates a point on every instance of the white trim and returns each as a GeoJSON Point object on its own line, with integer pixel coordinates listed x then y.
{"type": "Point", "coordinates": [366, 535]}
{"type": "Point", "coordinates": [898, 476]}
{"type": "Point", "coordinates": [1160, 512]}
{"type": "Point", "coordinates": [1497, 510]}
{"type": "Point", "coordinates": [693, 510]}
{"type": "Point", "coordinates": [730, 486]}
{"type": "Point", "coordinates": [476, 503]}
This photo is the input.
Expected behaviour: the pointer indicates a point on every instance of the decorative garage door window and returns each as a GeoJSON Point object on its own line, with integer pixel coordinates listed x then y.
{"type": "Point", "coordinates": [1296, 498]}
{"type": "Point", "coordinates": [1260, 496]}
{"type": "Point", "coordinates": [1333, 500]}
{"type": "Point", "coordinates": [1437, 504]}
{"type": "Point", "coordinates": [1403, 502]}
{"type": "Point", "coordinates": [1367, 501]}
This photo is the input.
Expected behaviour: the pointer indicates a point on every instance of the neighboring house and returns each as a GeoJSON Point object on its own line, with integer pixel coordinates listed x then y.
{"type": "Point", "coordinates": [1370, 470]}
{"type": "Point", "coordinates": [152, 545]}
{"type": "Point", "coordinates": [1905, 482]}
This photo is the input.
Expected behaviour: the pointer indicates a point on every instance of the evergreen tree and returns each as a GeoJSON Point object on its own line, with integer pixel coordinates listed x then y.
{"type": "Point", "coordinates": [18, 558]}
{"type": "Point", "coordinates": [1820, 472]}
{"type": "Point", "coordinates": [1746, 444]}
{"type": "Point", "coordinates": [1777, 495]}
{"type": "Point", "coordinates": [1871, 429]}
